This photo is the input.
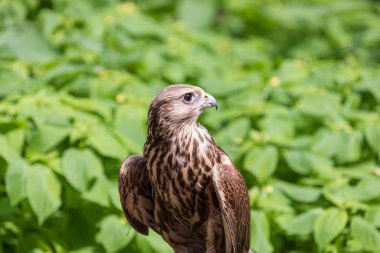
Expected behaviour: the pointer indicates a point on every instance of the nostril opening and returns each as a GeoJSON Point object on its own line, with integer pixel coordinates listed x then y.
{"type": "Point", "coordinates": [206, 96]}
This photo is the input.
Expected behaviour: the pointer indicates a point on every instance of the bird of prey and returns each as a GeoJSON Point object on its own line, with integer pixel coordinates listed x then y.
{"type": "Point", "coordinates": [184, 186]}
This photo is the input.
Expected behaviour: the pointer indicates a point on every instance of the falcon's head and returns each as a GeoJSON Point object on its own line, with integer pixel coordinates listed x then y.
{"type": "Point", "coordinates": [178, 105]}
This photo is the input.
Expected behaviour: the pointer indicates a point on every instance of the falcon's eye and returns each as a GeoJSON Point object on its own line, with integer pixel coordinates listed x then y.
{"type": "Point", "coordinates": [188, 97]}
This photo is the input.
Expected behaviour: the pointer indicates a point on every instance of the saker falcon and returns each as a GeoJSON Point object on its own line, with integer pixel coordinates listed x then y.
{"type": "Point", "coordinates": [184, 186]}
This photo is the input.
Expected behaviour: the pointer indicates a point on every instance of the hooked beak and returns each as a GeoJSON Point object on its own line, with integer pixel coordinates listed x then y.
{"type": "Point", "coordinates": [210, 101]}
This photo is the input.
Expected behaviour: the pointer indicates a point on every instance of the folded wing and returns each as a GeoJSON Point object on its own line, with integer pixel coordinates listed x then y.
{"type": "Point", "coordinates": [136, 193]}
{"type": "Point", "coordinates": [234, 204]}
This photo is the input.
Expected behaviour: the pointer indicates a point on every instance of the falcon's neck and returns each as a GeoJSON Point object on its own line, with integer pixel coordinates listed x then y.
{"type": "Point", "coordinates": [178, 133]}
{"type": "Point", "coordinates": [191, 141]}
{"type": "Point", "coordinates": [194, 134]}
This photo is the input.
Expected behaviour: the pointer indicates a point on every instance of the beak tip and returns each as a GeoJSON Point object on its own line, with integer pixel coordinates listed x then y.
{"type": "Point", "coordinates": [213, 102]}
{"type": "Point", "coordinates": [210, 102]}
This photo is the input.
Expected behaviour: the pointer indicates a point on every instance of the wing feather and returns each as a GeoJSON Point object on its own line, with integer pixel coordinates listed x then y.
{"type": "Point", "coordinates": [233, 199]}
{"type": "Point", "coordinates": [136, 193]}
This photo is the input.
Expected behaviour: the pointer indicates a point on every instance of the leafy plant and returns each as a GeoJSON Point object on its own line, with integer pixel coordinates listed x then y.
{"type": "Point", "coordinates": [299, 113]}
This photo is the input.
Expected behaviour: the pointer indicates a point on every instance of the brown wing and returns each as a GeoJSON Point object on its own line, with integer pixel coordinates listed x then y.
{"type": "Point", "coordinates": [136, 193]}
{"type": "Point", "coordinates": [234, 204]}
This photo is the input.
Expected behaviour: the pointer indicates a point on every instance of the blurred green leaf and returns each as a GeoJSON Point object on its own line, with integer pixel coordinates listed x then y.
{"type": "Point", "coordinates": [340, 195]}
{"type": "Point", "coordinates": [98, 192]}
{"type": "Point", "coordinates": [299, 112]}
{"type": "Point", "coordinates": [60, 75]}
{"type": "Point", "coordinates": [114, 235]}
{"type": "Point", "coordinates": [369, 83]}
{"type": "Point", "coordinates": [232, 134]}
{"type": "Point", "coordinates": [305, 194]}
{"type": "Point", "coordinates": [366, 234]}
{"type": "Point", "coordinates": [106, 143]}
{"type": "Point", "coordinates": [25, 43]}
{"type": "Point", "coordinates": [349, 149]}
{"type": "Point", "coordinates": [304, 162]}
{"type": "Point", "coordinates": [300, 162]}
{"type": "Point", "coordinates": [80, 167]}
{"type": "Point", "coordinates": [325, 144]}
{"type": "Point", "coordinates": [372, 134]}
{"type": "Point", "coordinates": [329, 225]}
{"type": "Point", "coordinates": [260, 232]}
{"type": "Point", "coordinates": [196, 13]}
{"type": "Point", "coordinates": [158, 244]}
{"type": "Point", "coordinates": [114, 196]}
{"type": "Point", "coordinates": [131, 122]}
{"type": "Point", "coordinates": [43, 191]}
{"type": "Point", "coordinates": [320, 104]}
{"type": "Point", "coordinates": [12, 83]}
{"type": "Point", "coordinates": [84, 250]}
{"type": "Point", "coordinates": [16, 139]}
{"type": "Point", "coordinates": [373, 216]}
{"type": "Point", "coordinates": [46, 137]}
{"type": "Point", "coordinates": [278, 127]}
{"type": "Point", "coordinates": [261, 162]}
{"type": "Point", "coordinates": [15, 179]}
{"type": "Point", "coordinates": [368, 189]}
{"type": "Point", "coordinates": [5, 150]}
{"type": "Point", "coordinates": [303, 224]}
{"type": "Point", "coordinates": [98, 107]}
{"type": "Point", "coordinates": [142, 243]}
{"type": "Point", "coordinates": [276, 201]}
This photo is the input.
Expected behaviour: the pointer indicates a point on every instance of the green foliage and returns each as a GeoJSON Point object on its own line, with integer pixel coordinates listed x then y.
{"type": "Point", "coordinates": [112, 234]}
{"type": "Point", "coordinates": [366, 234]}
{"type": "Point", "coordinates": [299, 94]}
{"type": "Point", "coordinates": [328, 225]}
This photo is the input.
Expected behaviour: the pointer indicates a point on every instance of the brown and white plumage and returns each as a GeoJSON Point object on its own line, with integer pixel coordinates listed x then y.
{"type": "Point", "coordinates": [185, 187]}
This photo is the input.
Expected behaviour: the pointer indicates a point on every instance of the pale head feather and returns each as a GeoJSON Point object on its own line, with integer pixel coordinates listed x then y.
{"type": "Point", "coordinates": [169, 110]}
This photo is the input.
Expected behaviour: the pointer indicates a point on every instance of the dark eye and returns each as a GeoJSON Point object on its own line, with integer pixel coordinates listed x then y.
{"type": "Point", "coordinates": [188, 97]}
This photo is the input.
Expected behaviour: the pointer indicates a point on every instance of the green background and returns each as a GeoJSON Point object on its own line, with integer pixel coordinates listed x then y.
{"type": "Point", "coordinates": [298, 84]}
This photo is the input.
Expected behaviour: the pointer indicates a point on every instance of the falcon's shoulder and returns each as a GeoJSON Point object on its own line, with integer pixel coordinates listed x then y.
{"type": "Point", "coordinates": [136, 193]}
{"type": "Point", "coordinates": [233, 200]}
